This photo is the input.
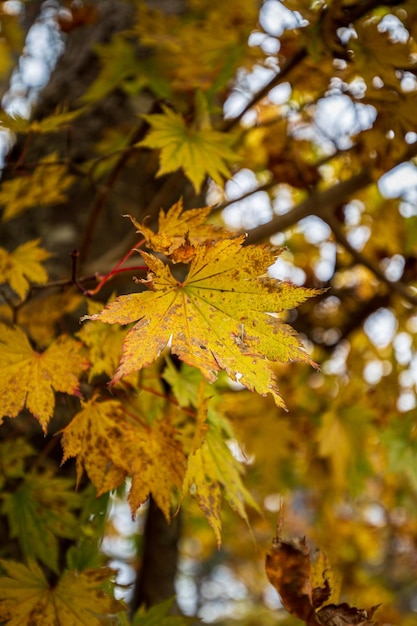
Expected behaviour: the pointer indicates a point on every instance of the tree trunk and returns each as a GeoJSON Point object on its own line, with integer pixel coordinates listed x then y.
{"type": "Point", "coordinates": [91, 217]}
{"type": "Point", "coordinates": [155, 581]}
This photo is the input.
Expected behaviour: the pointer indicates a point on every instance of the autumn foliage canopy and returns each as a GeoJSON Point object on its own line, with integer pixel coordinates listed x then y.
{"type": "Point", "coordinates": [207, 312]}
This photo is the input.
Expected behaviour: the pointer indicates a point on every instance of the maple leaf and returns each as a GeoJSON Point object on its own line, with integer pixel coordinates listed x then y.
{"type": "Point", "coordinates": [51, 123]}
{"type": "Point", "coordinates": [184, 382]}
{"type": "Point", "coordinates": [158, 615]}
{"type": "Point", "coordinates": [26, 598]}
{"type": "Point", "coordinates": [23, 266]}
{"type": "Point", "coordinates": [213, 474]}
{"type": "Point", "coordinates": [110, 448]}
{"type": "Point", "coordinates": [42, 503]}
{"type": "Point", "coordinates": [223, 316]}
{"type": "Point", "coordinates": [31, 377]}
{"type": "Point", "coordinates": [199, 152]}
{"type": "Point", "coordinates": [289, 570]}
{"type": "Point", "coordinates": [175, 224]}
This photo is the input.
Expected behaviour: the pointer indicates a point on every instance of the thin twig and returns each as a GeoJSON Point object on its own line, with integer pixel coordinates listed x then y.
{"type": "Point", "coordinates": [286, 68]}
{"type": "Point", "coordinates": [117, 268]}
{"type": "Point", "coordinates": [102, 196]}
{"type": "Point", "coordinates": [394, 285]}
{"type": "Point", "coordinates": [350, 15]}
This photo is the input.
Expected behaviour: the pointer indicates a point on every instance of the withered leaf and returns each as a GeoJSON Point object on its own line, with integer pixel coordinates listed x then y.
{"type": "Point", "coordinates": [345, 615]}
{"type": "Point", "coordinates": [288, 568]}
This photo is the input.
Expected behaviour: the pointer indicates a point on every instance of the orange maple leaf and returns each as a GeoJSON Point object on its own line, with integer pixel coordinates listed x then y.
{"type": "Point", "coordinates": [31, 377]}
{"type": "Point", "coordinates": [176, 224]}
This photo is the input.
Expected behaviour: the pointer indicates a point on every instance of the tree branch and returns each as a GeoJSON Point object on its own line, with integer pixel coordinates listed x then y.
{"type": "Point", "coordinates": [350, 14]}
{"type": "Point", "coordinates": [394, 285]}
{"type": "Point", "coordinates": [286, 68]}
{"type": "Point", "coordinates": [323, 203]}
{"type": "Point", "coordinates": [319, 203]}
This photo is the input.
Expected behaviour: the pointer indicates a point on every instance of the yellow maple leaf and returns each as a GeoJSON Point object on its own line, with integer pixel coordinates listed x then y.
{"type": "Point", "coordinates": [110, 447]}
{"type": "Point", "coordinates": [27, 599]}
{"type": "Point", "coordinates": [47, 185]}
{"type": "Point", "coordinates": [213, 474]}
{"type": "Point", "coordinates": [223, 316]}
{"type": "Point", "coordinates": [176, 224]}
{"type": "Point", "coordinates": [23, 266]}
{"type": "Point", "coordinates": [199, 152]}
{"type": "Point", "coordinates": [49, 124]}
{"type": "Point", "coordinates": [31, 377]}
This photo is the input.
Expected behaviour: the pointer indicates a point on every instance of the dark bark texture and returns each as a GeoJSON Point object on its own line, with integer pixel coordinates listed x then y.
{"type": "Point", "coordinates": [90, 220]}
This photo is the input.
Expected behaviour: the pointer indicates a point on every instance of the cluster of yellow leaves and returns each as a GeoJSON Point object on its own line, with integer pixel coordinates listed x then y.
{"type": "Point", "coordinates": [216, 36]}
{"type": "Point", "coordinates": [46, 185]}
{"type": "Point", "coordinates": [224, 314]}
{"type": "Point", "coordinates": [212, 473]}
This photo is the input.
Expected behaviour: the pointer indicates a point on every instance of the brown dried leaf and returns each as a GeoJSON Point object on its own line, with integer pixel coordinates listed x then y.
{"type": "Point", "coordinates": [289, 570]}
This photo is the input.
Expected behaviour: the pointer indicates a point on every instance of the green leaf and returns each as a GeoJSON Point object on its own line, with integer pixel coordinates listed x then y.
{"type": "Point", "coordinates": [12, 458]}
{"type": "Point", "coordinates": [401, 444]}
{"type": "Point", "coordinates": [158, 616]}
{"type": "Point", "coordinates": [184, 382]}
{"type": "Point", "coordinates": [39, 511]}
{"type": "Point", "coordinates": [213, 474]}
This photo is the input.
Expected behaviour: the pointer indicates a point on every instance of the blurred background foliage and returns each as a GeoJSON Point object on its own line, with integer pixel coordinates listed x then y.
{"type": "Point", "coordinates": [316, 104]}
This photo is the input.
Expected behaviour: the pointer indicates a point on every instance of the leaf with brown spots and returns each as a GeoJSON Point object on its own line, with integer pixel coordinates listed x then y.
{"type": "Point", "coordinates": [31, 377]}
{"type": "Point", "coordinates": [78, 599]}
{"type": "Point", "coordinates": [111, 446]}
{"type": "Point", "coordinates": [289, 570]}
{"type": "Point", "coordinates": [223, 316]}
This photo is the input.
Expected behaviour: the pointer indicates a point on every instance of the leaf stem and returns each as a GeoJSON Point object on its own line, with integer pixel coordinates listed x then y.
{"type": "Point", "coordinates": [117, 269]}
{"type": "Point", "coordinates": [137, 419]}
{"type": "Point", "coordinates": [169, 399]}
